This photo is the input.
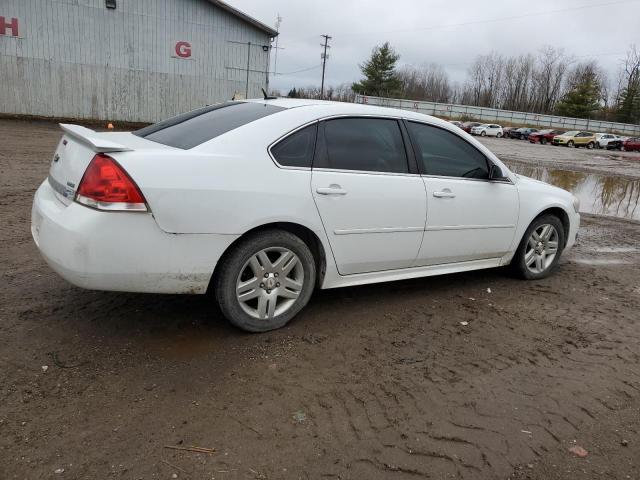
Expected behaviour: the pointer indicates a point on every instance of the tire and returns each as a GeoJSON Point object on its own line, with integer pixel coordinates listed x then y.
{"type": "Point", "coordinates": [570, 144]}
{"type": "Point", "coordinates": [254, 255]}
{"type": "Point", "coordinates": [590, 145]}
{"type": "Point", "coordinates": [523, 253]}
{"type": "Point", "coordinates": [483, 133]}
{"type": "Point", "coordinates": [543, 141]}
{"type": "Point", "coordinates": [598, 146]}
{"type": "Point", "coordinates": [498, 135]}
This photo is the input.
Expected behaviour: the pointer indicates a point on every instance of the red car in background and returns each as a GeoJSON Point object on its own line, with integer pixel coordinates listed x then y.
{"type": "Point", "coordinates": [631, 144]}
{"type": "Point", "coordinates": [467, 126]}
{"type": "Point", "coordinates": [544, 136]}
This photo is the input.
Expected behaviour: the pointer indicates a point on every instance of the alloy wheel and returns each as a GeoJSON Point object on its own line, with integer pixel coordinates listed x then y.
{"type": "Point", "coordinates": [270, 282]}
{"type": "Point", "coordinates": [541, 249]}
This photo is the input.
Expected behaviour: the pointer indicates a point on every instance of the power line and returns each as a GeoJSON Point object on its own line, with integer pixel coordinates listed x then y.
{"type": "Point", "coordinates": [324, 61]}
{"type": "Point", "coordinates": [299, 71]}
{"type": "Point", "coordinates": [492, 20]}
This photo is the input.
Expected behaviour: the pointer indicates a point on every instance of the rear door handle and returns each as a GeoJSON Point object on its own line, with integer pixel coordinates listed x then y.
{"type": "Point", "coordinates": [331, 190]}
{"type": "Point", "coordinates": [446, 193]}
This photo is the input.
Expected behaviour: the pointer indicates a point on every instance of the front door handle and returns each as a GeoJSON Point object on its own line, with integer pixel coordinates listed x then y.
{"type": "Point", "coordinates": [446, 193]}
{"type": "Point", "coordinates": [331, 190]}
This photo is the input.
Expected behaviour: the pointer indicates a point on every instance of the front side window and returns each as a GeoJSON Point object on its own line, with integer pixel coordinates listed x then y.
{"type": "Point", "coordinates": [194, 128]}
{"type": "Point", "coordinates": [443, 153]}
{"type": "Point", "coordinates": [365, 144]}
{"type": "Point", "coordinates": [296, 150]}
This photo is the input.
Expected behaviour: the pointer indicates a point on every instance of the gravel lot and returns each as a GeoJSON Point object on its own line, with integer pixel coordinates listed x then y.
{"type": "Point", "coordinates": [375, 382]}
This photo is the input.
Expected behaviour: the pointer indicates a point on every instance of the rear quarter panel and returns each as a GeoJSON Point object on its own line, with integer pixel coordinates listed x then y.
{"type": "Point", "coordinates": [228, 185]}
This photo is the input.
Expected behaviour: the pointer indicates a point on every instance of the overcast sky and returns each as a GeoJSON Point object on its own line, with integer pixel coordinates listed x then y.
{"type": "Point", "coordinates": [448, 32]}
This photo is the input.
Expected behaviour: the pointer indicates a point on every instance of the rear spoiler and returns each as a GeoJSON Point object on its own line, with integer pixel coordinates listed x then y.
{"type": "Point", "coordinates": [92, 138]}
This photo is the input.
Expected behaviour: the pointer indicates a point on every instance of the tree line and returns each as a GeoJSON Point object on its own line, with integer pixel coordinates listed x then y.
{"type": "Point", "coordinates": [548, 82]}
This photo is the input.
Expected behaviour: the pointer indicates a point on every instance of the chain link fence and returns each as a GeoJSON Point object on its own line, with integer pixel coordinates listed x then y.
{"type": "Point", "coordinates": [452, 111]}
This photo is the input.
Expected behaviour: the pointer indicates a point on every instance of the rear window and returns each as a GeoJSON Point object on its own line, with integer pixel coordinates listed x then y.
{"type": "Point", "coordinates": [198, 126]}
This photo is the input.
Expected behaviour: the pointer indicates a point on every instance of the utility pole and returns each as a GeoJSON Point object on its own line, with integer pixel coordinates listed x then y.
{"type": "Point", "coordinates": [275, 63]}
{"type": "Point", "coordinates": [246, 91]}
{"type": "Point", "coordinates": [324, 61]}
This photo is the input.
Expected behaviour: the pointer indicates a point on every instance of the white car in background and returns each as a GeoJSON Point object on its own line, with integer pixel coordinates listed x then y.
{"type": "Point", "coordinates": [259, 202]}
{"type": "Point", "coordinates": [603, 139]}
{"type": "Point", "coordinates": [487, 130]}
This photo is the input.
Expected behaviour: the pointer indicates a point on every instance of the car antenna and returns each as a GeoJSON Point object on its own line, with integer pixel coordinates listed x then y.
{"type": "Point", "coordinates": [267, 97]}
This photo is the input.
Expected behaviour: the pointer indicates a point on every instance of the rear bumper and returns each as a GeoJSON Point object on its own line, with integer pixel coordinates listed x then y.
{"type": "Point", "coordinates": [121, 251]}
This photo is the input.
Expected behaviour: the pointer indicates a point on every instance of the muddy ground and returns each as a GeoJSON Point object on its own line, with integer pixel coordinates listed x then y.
{"type": "Point", "coordinates": [375, 382]}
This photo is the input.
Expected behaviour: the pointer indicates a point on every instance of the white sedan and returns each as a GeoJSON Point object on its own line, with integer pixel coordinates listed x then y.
{"type": "Point", "coordinates": [603, 139]}
{"type": "Point", "coordinates": [261, 201]}
{"type": "Point", "coordinates": [487, 130]}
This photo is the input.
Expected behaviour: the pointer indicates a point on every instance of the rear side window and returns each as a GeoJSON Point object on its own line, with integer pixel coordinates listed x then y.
{"type": "Point", "coordinates": [194, 128]}
{"type": "Point", "coordinates": [445, 154]}
{"type": "Point", "coordinates": [366, 144]}
{"type": "Point", "coordinates": [296, 150]}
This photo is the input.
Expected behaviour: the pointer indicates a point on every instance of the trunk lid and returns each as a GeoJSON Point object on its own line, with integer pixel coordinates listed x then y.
{"type": "Point", "coordinates": [77, 148]}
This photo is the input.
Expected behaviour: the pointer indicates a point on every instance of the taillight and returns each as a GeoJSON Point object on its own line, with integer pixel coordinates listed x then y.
{"type": "Point", "coordinates": [106, 186]}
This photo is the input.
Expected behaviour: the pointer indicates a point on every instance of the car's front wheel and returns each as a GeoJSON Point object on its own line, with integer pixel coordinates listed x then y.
{"type": "Point", "coordinates": [543, 141]}
{"type": "Point", "coordinates": [265, 280]}
{"type": "Point", "coordinates": [483, 134]}
{"type": "Point", "coordinates": [540, 248]}
{"type": "Point", "coordinates": [570, 143]}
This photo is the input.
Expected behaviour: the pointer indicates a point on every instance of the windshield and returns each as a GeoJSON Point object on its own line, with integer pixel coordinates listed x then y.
{"type": "Point", "coordinates": [198, 126]}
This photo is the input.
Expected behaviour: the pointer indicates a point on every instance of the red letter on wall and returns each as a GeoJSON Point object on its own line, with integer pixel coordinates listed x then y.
{"type": "Point", "coordinates": [183, 49]}
{"type": "Point", "coordinates": [13, 25]}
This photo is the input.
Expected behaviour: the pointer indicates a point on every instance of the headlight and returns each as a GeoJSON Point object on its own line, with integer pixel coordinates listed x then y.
{"type": "Point", "coordinates": [576, 204]}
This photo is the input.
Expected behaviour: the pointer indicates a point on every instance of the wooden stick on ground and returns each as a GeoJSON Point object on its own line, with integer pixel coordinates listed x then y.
{"type": "Point", "coordinates": [192, 449]}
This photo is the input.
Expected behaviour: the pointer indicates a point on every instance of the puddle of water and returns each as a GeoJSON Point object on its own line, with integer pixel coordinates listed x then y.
{"type": "Point", "coordinates": [601, 261]}
{"type": "Point", "coordinates": [598, 194]}
{"type": "Point", "coordinates": [616, 250]}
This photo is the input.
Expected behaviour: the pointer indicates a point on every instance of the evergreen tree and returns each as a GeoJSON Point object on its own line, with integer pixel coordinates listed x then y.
{"type": "Point", "coordinates": [583, 99]}
{"type": "Point", "coordinates": [293, 93]}
{"type": "Point", "coordinates": [629, 106]}
{"type": "Point", "coordinates": [380, 73]}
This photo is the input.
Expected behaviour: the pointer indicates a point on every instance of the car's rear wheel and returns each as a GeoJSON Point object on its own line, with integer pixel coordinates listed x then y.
{"type": "Point", "coordinates": [590, 145]}
{"type": "Point", "coordinates": [543, 141]}
{"type": "Point", "coordinates": [540, 248]}
{"type": "Point", "coordinates": [265, 280]}
{"type": "Point", "coordinates": [498, 135]}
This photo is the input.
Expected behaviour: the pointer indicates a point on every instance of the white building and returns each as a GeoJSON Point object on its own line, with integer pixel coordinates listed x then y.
{"type": "Point", "coordinates": [131, 60]}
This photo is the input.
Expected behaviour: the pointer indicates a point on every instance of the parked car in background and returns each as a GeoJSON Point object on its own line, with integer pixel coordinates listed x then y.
{"type": "Point", "coordinates": [487, 130]}
{"type": "Point", "coordinates": [467, 126]}
{"type": "Point", "coordinates": [506, 131]}
{"type": "Point", "coordinates": [615, 144]}
{"type": "Point", "coordinates": [522, 133]}
{"type": "Point", "coordinates": [456, 123]}
{"type": "Point", "coordinates": [631, 144]}
{"type": "Point", "coordinates": [544, 136]}
{"type": "Point", "coordinates": [575, 138]}
{"type": "Point", "coordinates": [603, 139]}
{"type": "Point", "coordinates": [259, 202]}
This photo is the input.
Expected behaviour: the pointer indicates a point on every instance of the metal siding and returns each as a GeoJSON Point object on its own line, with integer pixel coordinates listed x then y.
{"type": "Point", "coordinates": [78, 59]}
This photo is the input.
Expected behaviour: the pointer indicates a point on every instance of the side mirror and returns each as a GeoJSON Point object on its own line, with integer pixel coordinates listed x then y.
{"type": "Point", "coordinates": [495, 173]}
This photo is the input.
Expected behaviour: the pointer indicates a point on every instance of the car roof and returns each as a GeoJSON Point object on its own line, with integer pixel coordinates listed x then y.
{"type": "Point", "coordinates": [327, 108]}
